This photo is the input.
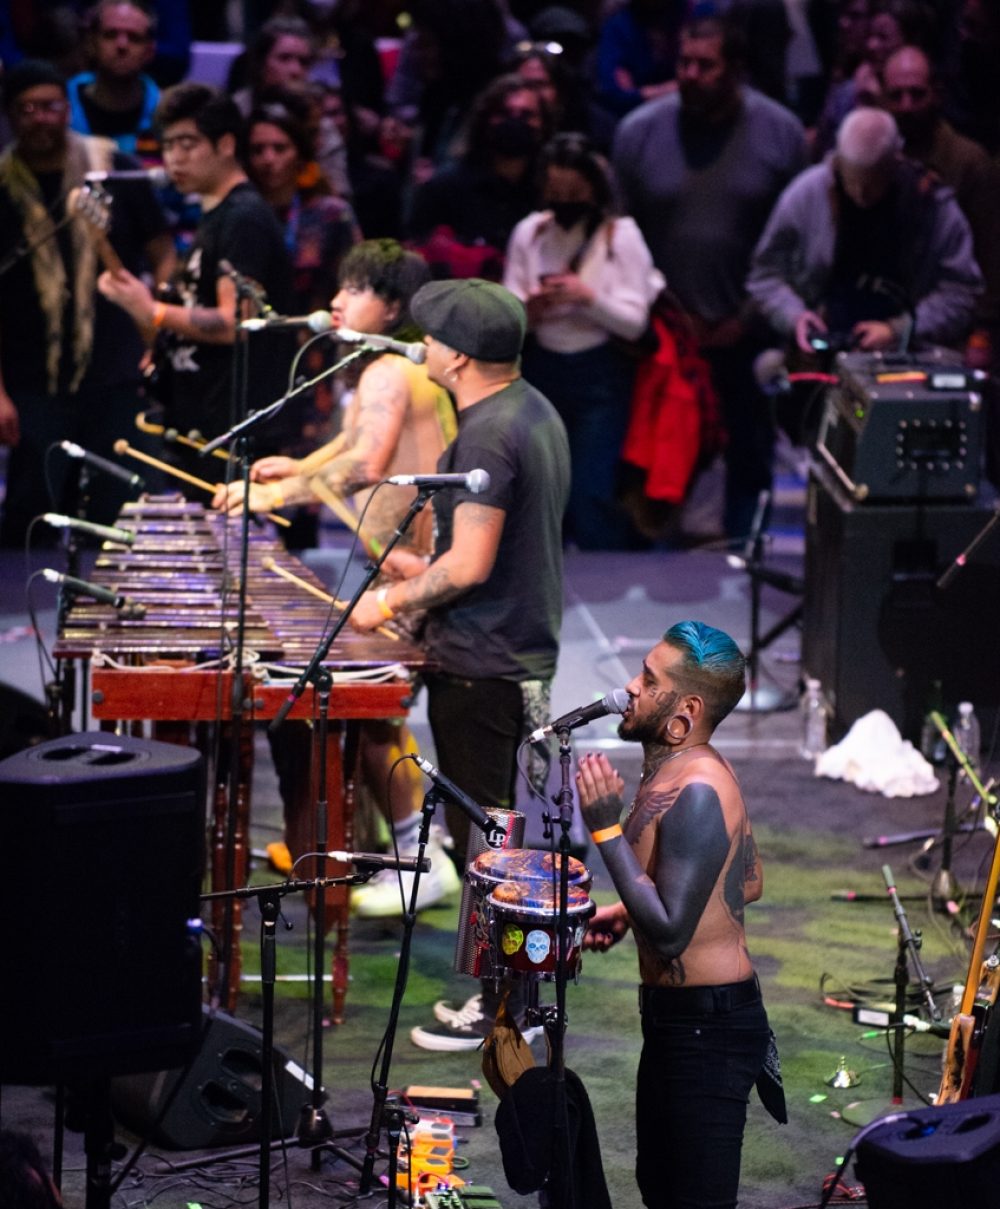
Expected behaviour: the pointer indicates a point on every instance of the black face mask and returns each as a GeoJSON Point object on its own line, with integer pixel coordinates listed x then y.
{"type": "Point", "coordinates": [568, 214]}
{"type": "Point", "coordinates": [513, 136]}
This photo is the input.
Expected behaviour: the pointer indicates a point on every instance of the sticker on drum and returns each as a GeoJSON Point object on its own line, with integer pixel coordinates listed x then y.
{"type": "Point", "coordinates": [524, 933]}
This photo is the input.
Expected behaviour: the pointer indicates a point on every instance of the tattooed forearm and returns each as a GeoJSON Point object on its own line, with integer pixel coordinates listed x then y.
{"type": "Point", "coordinates": [434, 587]}
{"type": "Point", "coordinates": [209, 323]}
{"type": "Point", "coordinates": [345, 474]}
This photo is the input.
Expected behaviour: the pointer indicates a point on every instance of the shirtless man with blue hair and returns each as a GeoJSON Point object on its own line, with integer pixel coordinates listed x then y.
{"type": "Point", "coordinates": [684, 861]}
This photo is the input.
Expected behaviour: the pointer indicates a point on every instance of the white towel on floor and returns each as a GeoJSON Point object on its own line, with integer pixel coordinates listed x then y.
{"type": "Point", "coordinates": [874, 756]}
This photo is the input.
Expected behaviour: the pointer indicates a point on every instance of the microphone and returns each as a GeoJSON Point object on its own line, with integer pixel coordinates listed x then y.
{"type": "Point", "coordinates": [374, 860]}
{"type": "Point", "coordinates": [771, 373]}
{"type": "Point", "coordinates": [131, 610]}
{"type": "Point", "coordinates": [475, 812]}
{"type": "Point", "coordinates": [475, 481]}
{"type": "Point", "coordinates": [156, 176]}
{"type": "Point", "coordinates": [107, 533]}
{"type": "Point", "coordinates": [136, 481]}
{"type": "Point", "coordinates": [317, 321]}
{"type": "Point", "coordinates": [613, 703]}
{"type": "Point", "coordinates": [417, 353]}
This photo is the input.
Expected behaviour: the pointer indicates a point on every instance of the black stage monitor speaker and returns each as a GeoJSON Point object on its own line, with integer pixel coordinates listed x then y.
{"type": "Point", "coordinates": [102, 840]}
{"type": "Point", "coordinates": [938, 1158]}
{"type": "Point", "coordinates": [878, 631]}
{"type": "Point", "coordinates": [23, 721]}
{"type": "Point", "coordinates": [216, 1100]}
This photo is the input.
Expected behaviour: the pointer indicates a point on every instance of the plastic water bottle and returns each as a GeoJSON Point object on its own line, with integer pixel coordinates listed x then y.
{"type": "Point", "coordinates": [968, 734]}
{"type": "Point", "coordinates": [814, 719]}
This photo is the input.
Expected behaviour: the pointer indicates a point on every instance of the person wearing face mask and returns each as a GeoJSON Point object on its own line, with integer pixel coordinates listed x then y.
{"type": "Point", "coordinates": [586, 277]}
{"type": "Point", "coordinates": [462, 217]}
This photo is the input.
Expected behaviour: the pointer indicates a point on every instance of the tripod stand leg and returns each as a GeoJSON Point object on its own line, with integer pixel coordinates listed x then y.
{"type": "Point", "coordinates": [99, 1138]}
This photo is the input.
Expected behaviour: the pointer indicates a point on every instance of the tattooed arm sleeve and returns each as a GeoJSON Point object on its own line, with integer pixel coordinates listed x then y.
{"type": "Point", "coordinates": [692, 850]}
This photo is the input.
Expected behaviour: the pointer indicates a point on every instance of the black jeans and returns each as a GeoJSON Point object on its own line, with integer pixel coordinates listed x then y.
{"type": "Point", "coordinates": [703, 1048]}
{"type": "Point", "coordinates": [477, 727]}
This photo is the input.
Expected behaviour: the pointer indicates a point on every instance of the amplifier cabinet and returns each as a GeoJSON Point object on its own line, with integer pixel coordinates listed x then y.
{"type": "Point", "coordinates": [903, 428]}
{"type": "Point", "coordinates": [877, 630]}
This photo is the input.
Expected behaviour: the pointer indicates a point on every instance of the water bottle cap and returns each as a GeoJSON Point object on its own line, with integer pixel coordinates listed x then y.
{"type": "Point", "coordinates": [965, 707]}
{"type": "Point", "coordinates": [812, 683]}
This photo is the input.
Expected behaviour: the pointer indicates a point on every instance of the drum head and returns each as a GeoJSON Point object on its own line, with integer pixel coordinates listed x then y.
{"type": "Point", "coordinates": [526, 865]}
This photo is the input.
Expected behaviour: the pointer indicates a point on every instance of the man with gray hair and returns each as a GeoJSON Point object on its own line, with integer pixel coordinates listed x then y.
{"type": "Point", "coordinates": [866, 249]}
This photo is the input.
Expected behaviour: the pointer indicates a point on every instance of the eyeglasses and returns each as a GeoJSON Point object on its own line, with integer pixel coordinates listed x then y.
{"type": "Point", "coordinates": [550, 48]}
{"type": "Point", "coordinates": [27, 109]}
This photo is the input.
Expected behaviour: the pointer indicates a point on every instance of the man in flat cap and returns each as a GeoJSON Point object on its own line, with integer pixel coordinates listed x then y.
{"type": "Point", "coordinates": [493, 589]}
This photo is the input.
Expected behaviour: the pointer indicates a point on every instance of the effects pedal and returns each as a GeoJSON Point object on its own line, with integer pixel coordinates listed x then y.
{"type": "Point", "coordinates": [472, 1196]}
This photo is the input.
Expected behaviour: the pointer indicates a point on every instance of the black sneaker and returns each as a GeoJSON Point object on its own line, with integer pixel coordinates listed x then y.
{"type": "Point", "coordinates": [467, 1031]}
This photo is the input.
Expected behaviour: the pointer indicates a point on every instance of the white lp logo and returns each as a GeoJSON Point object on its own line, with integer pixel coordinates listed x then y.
{"type": "Point", "coordinates": [496, 836]}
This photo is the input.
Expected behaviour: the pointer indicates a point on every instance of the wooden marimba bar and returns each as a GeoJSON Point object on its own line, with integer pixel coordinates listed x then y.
{"type": "Point", "coordinates": [183, 570]}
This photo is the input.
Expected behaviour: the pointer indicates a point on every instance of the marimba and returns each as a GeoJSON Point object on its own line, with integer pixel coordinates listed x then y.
{"type": "Point", "coordinates": [168, 668]}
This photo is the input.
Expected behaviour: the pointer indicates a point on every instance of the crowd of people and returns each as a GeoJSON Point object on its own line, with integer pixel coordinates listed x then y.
{"type": "Point", "coordinates": [552, 198]}
{"type": "Point", "coordinates": [642, 174]}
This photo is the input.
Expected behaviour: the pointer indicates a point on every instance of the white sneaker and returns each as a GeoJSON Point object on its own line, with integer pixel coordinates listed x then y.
{"type": "Point", "coordinates": [380, 897]}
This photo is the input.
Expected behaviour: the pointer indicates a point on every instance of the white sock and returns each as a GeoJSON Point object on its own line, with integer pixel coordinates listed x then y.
{"type": "Point", "coordinates": [407, 832]}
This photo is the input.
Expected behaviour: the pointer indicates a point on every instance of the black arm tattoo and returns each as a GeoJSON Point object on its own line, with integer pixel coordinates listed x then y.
{"type": "Point", "coordinates": [692, 849]}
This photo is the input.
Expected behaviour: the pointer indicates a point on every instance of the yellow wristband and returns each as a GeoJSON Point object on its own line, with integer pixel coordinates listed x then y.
{"type": "Point", "coordinates": [385, 608]}
{"type": "Point", "coordinates": [606, 833]}
{"type": "Point", "coordinates": [159, 314]}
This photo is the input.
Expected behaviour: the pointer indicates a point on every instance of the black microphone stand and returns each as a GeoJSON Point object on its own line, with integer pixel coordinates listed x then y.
{"type": "Point", "coordinates": [62, 692]}
{"type": "Point", "coordinates": [394, 1117]}
{"type": "Point", "coordinates": [761, 699]}
{"type": "Point", "coordinates": [269, 898]}
{"type": "Point", "coordinates": [908, 945]}
{"type": "Point", "coordinates": [263, 414]}
{"type": "Point", "coordinates": [245, 292]}
{"type": "Point", "coordinates": [564, 801]}
{"type": "Point", "coordinates": [314, 1123]}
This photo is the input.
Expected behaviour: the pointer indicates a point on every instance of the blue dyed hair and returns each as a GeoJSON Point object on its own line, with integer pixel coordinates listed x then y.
{"type": "Point", "coordinates": [712, 665]}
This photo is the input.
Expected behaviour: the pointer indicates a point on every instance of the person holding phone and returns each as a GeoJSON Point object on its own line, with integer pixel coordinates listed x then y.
{"type": "Point", "coordinates": [588, 281]}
